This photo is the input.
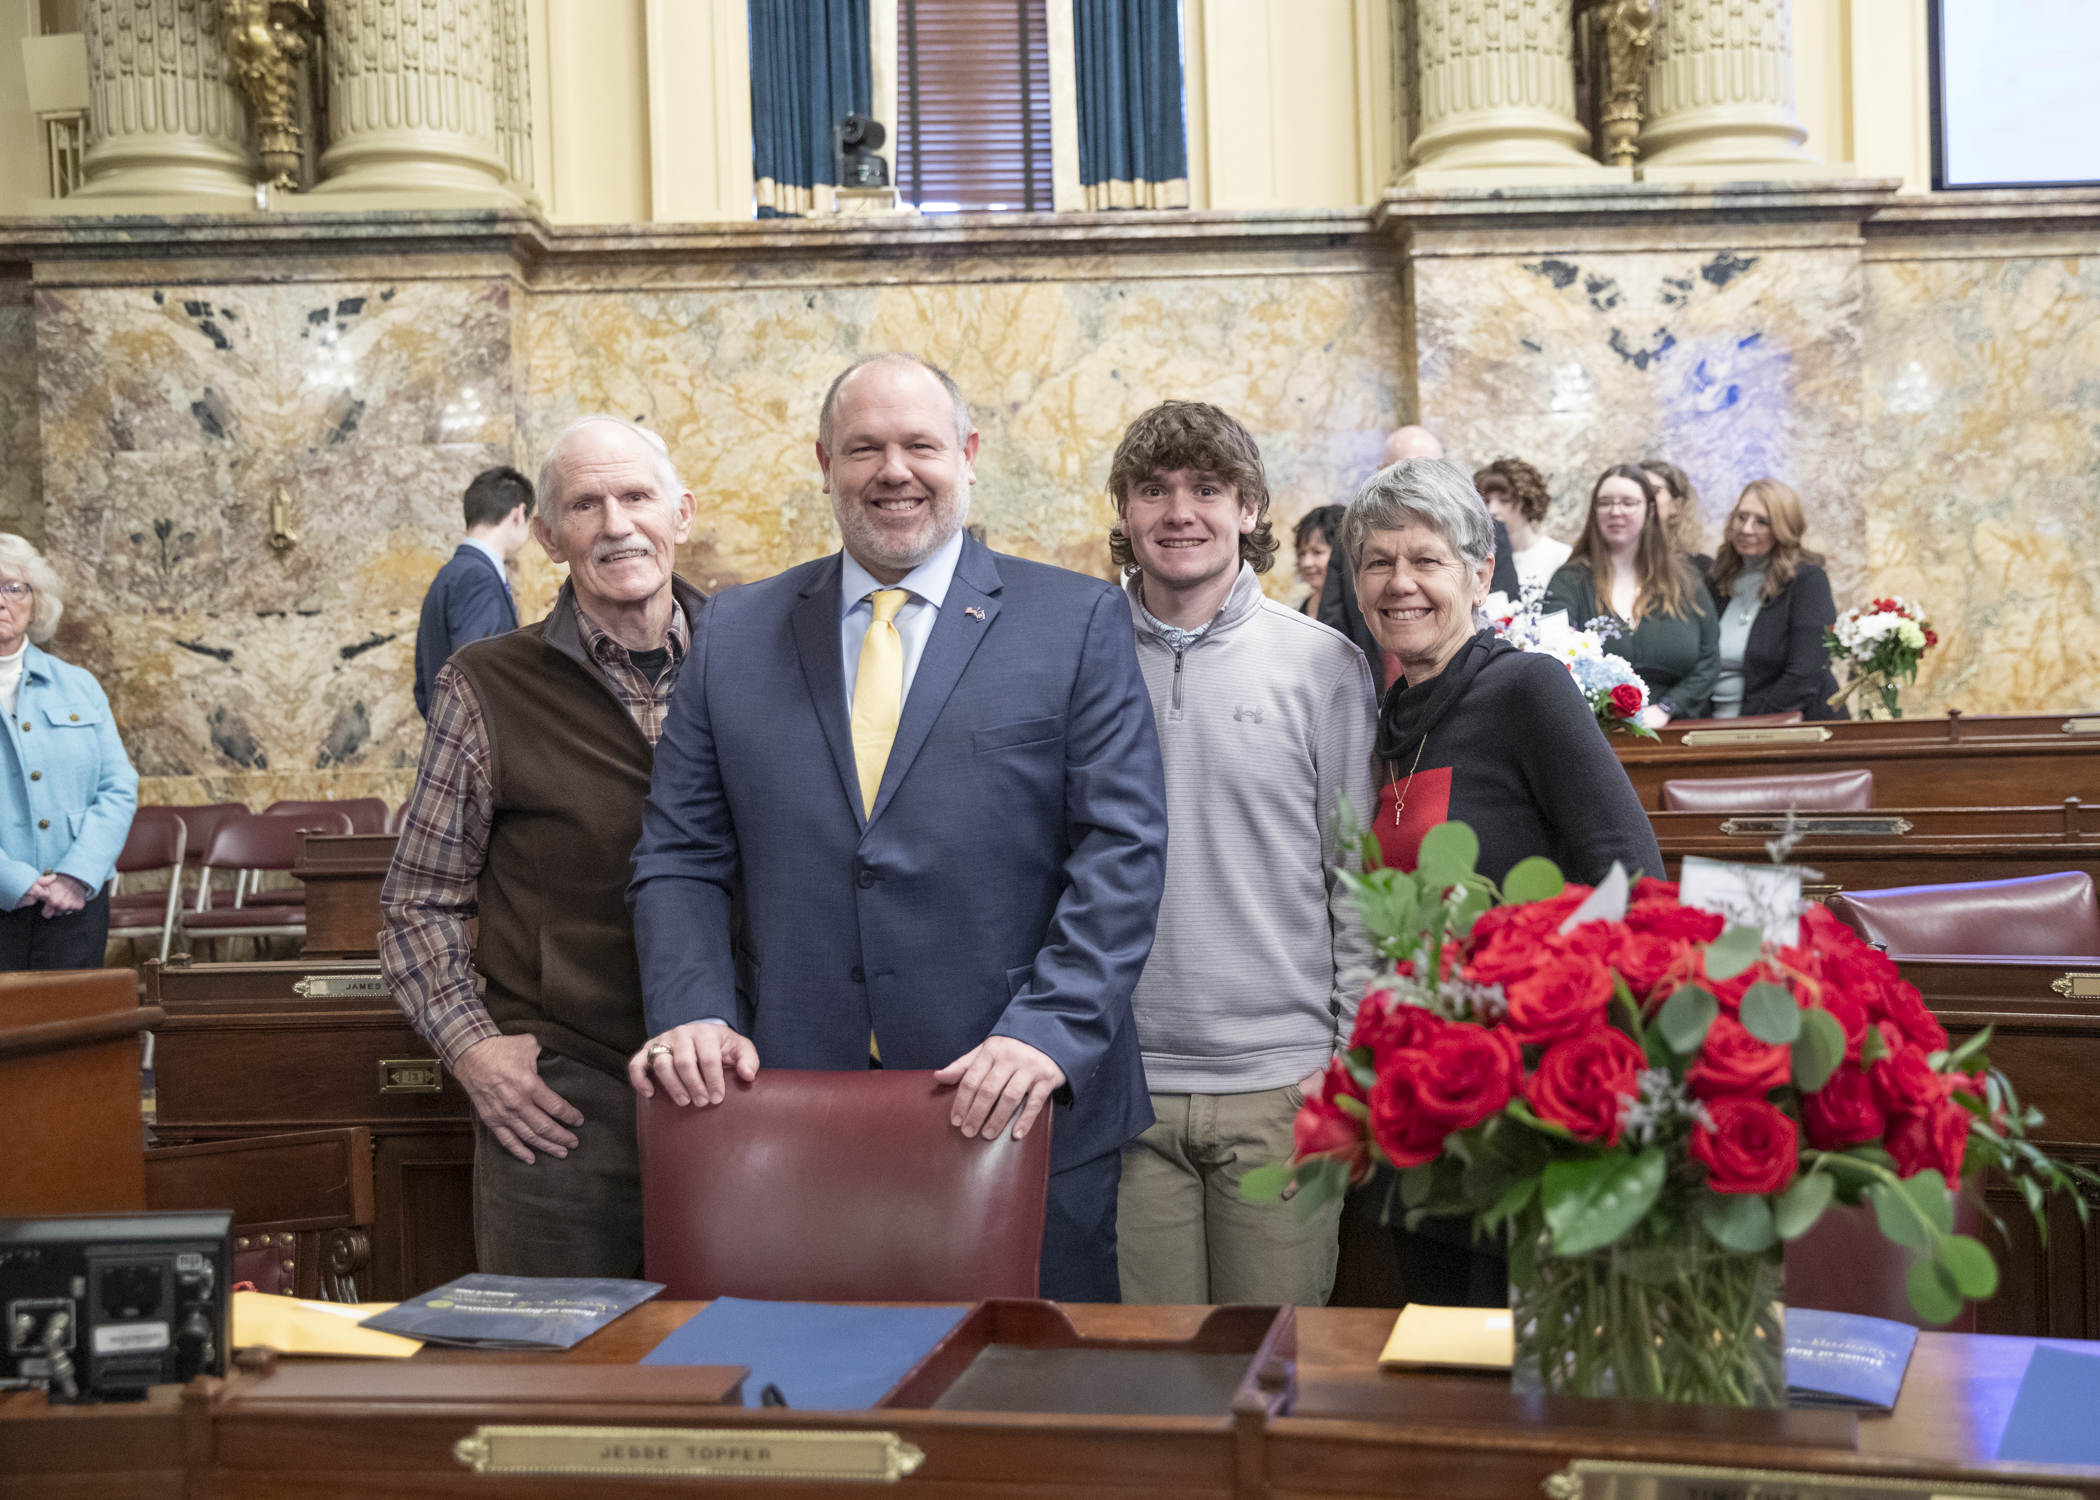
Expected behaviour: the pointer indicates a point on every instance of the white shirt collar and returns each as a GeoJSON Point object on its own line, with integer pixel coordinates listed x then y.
{"type": "Point", "coordinates": [490, 553]}
{"type": "Point", "coordinates": [928, 581]}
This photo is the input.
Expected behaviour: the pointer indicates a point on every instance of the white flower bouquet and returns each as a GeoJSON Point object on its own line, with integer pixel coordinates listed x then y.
{"type": "Point", "coordinates": [1616, 693]}
{"type": "Point", "coordinates": [1881, 644]}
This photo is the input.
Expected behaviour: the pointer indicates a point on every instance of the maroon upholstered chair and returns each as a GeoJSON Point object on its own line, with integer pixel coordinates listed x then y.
{"type": "Point", "coordinates": [1745, 721]}
{"type": "Point", "coordinates": [366, 814]}
{"type": "Point", "coordinates": [157, 841]}
{"type": "Point", "coordinates": [396, 817]}
{"type": "Point", "coordinates": [1828, 791]}
{"type": "Point", "coordinates": [250, 844]}
{"type": "Point", "coordinates": [2036, 916]}
{"type": "Point", "coordinates": [200, 822]}
{"type": "Point", "coordinates": [838, 1187]}
{"type": "Point", "coordinates": [1845, 1264]}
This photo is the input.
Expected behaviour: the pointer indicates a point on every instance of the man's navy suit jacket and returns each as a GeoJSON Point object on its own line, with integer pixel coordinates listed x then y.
{"type": "Point", "coordinates": [1008, 883]}
{"type": "Point", "coordinates": [467, 600]}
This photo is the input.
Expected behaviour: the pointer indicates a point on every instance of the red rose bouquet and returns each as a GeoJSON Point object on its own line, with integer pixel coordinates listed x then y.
{"type": "Point", "coordinates": [1641, 1103]}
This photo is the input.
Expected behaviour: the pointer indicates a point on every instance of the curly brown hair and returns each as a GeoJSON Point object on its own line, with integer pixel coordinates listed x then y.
{"type": "Point", "coordinates": [1192, 435]}
{"type": "Point", "coordinates": [1525, 486]}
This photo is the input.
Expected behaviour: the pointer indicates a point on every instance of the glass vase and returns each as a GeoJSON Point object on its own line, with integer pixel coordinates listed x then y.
{"type": "Point", "coordinates": [1675, 1318]}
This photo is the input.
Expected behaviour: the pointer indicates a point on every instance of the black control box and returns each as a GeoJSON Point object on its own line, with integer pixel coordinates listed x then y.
{"type": "Point", "coordinates": [99, 1308]}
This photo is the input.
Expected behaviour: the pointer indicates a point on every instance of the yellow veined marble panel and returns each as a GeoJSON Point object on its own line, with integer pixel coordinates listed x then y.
{"type": "Point", "coordinates": [1734, 365]}
{"type": "Point", "coordinates": [1983, 439]}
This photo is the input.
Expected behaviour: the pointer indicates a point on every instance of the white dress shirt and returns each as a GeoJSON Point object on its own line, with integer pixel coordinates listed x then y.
{"type": "Point", "coordinates": [928, 586]}
{"type": "Point", "coordinates": [11, 676]}
{"type": "Point", "coordinates": [493, 556]}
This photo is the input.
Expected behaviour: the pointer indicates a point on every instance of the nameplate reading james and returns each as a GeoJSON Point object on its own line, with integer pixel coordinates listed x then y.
{"type": "Point", "coordinates": [1605, 1479]}
{"type": "Point", "coordinates": [341, 987]}
{"type": "Point", "coordinates": [1792, 734]}
{"type": "Point", "coordinates": [728, 1453]}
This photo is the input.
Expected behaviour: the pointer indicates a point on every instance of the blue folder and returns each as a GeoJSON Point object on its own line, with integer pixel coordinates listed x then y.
{"type": "Point", "coordinates": [822, 1356]}
{"type": "Point", "coordinates": [2056, 1417]}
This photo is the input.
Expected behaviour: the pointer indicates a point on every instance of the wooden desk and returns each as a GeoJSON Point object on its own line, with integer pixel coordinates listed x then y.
{"type": "Point", "coordinates": [1895, 846]}
{"type": "Point", "coordinates": [342, 874]}
{"type": "Point", "coordinates": [1955, 761]}
{"type": "Point", "coordinates": [69, 1092]}
{"type": "Point", "coordinates": [1355, 1430]}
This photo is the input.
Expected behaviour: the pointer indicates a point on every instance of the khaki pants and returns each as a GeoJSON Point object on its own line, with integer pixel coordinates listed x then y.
{"type": "Point", "coordinates": [1183, 1232]}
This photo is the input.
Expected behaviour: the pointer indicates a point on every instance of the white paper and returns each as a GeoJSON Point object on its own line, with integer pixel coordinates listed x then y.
{"type": "Point", "coordinates": [1767, 897]}
{"type": "Point", "coordinates": [1607, 903]}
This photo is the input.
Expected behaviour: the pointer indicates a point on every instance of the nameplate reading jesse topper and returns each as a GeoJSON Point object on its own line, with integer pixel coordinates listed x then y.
{"type": "Point", "coordinates": [725, 1453]}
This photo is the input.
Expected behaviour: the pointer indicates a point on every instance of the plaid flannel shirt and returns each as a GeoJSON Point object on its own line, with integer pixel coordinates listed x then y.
{"type": "Point", "coordinates": [432, 887]}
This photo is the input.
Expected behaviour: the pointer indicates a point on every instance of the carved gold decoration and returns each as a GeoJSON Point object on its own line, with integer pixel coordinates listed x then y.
{"type": "Point", "coordinates": [1817, 825]}
{"type": "Point", "coordinates": [1629, 26]}
{"type": "Point", "coordinates": [282, 537]}
{"type": "Point", "coordinates": [2077, 986]}
{"type": "Point", "coordinates": [768, 1453]}
{"type": "Point", "coordinates": [265, 47]}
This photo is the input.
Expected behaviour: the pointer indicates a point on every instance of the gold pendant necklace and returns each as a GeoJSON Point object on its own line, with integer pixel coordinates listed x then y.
{"type": "Point", "coordinates": [1400, 794]}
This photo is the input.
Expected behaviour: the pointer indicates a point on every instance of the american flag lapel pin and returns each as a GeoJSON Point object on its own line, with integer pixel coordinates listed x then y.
{"type": "Point", "coordinates": [973, 611]}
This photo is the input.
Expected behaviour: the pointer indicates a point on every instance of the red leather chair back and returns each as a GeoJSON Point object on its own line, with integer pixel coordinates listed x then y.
{"type": "Point", "coordinates": [266, 841]}
{"type": "Point", "coordinates": [366, 814]}
{"type": "Point", "coordinates": [1845, 1264]}
{"type": "Point", "coordinates": [838, 1187]}
{"type": "Point", "coordinates": [1828, 791]}
{"type": "Point", "coordinates": [203, 820]}
{"type": "Point", "coordinates": [2037, 916]}
{"type": "Point", "coordinates": [1744, 721]}
{"type": "Point", "coordinates": [157, 841]}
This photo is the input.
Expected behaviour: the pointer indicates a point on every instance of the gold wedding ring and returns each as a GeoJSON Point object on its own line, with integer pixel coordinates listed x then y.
{"type": "Point", "coordinates": [659, 1050]}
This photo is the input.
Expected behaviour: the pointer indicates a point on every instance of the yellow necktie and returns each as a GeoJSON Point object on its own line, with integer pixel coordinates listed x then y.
{"type": "Point", "coordinates": [878, 693]}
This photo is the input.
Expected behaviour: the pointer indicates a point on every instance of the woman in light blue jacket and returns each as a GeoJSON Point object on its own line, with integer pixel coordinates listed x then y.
{"type": "Point", "coordinates": [67, 790]}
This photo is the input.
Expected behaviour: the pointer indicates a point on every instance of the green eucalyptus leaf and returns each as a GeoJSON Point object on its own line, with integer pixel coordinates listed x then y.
{"type": "Point", "coordinates": [1899, 1223]}
{"type": "Point", "coordinates": [1733, 951]}
{"type": "Point", "coordinates": [1591, 1203]}
{"type": "Point", "coordinates": [1930, 1192]}
{"type": "Point", "coordinates": [1741, 1222]}
{"type": "Point", "coordinates": [1933, 1292]}
{"type": "Point", "coordinates": [1515, 1198]}
{"type": "Point", "coordinates": [1770, 1014]}
{"type": "Point", "coordinates": [1958, 1059]}
{"type": "Point", "coordinates": [1349, 1104]}
{"type": "Point", "coordinates": [1359, 1062]}
{"type": "Point", "coordinates": [1873, 1047]}
{"type": "Point", "coordinates": [1532, 879]}
{"type": "Point", "coordinates": [1264, 1184]}
{"type": "Point", "coordinates": [1415, 1184]}
{"type": "Point", "coordinates": [1795, 1211]}
{"type": "Point", "coordinates": [1969, 1264]}
{"type": "Point", "coordinates": [1448, 854]}
{"type": "Point", "coordinates": [1685, 1018]}
{"type": "Point", "coordinates": [1320, 1183]}
{"type": "Point", "coordinates": [1477, 899]}
{"type": "Point", "coordinates": [1818, 1050]}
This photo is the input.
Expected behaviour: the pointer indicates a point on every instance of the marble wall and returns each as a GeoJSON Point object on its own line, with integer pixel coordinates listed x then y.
{"type": "Point", "coordinates": [21, 459]}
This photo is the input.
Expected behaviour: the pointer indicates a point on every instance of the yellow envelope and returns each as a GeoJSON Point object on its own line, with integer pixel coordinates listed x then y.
{"type": "Point", "coordinates": [1470, 1338]}
{"type": "Point", "coordinates": [296, 1326]}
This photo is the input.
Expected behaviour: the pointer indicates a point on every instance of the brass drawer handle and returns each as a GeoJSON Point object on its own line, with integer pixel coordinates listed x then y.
{"type": "Point", "coordinates": [410, 1075]}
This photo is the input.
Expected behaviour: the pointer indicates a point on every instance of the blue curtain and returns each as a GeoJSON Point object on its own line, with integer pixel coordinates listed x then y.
{"type": "Point", "coordinates": [1133, 151]}
{"type": "Point", "coordinates": [809, 69]}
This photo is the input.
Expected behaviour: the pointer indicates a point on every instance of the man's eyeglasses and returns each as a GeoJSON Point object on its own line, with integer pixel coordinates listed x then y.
{"type": "Point", "coordinates": [9, 589]}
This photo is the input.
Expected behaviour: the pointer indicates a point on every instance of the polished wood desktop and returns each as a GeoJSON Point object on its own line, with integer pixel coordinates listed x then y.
{"type": "Point", "coordinates": [1354, 1429]}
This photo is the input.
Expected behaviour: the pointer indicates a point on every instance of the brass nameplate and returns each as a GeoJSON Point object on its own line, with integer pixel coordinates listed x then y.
{"type": "Point", "coordinates": [1817, 825]}
{"type": "Point", "coordinates": [725, 1453]}
{"type": "Point", "coordinates": [1820, 893]}
{"type": "Point", "coordinates": [410, 1075]}
{"type": "Point", "coordinates": [342, 987]}
{"type": "Point", "coordinates": [2078, 986]}
{"type": "Point", "coordinates": [1607, 1479]}
{"type": "Point", "coordinates": [1792, 734]}
{"type": "Point", "coordinates": [2082, 726]}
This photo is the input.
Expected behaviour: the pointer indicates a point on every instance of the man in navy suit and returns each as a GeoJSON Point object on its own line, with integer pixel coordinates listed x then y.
{"type": "Point", "coordinates": [931, 774]}
{"type": "Point", "coordinates": [470, 597]}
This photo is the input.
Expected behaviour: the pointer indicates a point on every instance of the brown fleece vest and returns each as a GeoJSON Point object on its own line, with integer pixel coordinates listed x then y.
{"type": "Point", "coordinates": [570, 770]}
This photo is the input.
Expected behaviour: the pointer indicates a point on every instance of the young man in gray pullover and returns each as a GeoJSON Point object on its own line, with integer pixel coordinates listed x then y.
{"type": "Point", "coordinates": [1265, 723]}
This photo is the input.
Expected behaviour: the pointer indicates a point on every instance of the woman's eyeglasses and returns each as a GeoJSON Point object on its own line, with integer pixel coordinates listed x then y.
{"type": "Point", "coordinates": [1620, 502]}
{"type": "Point", "coordinates": [1755, 523]}
{"type": "Point", "coordinates": [9, 589]}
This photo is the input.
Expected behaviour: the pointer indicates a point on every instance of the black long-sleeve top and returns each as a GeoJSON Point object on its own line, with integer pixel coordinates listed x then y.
{"type": "Point", "coordinates": [1785, 663]}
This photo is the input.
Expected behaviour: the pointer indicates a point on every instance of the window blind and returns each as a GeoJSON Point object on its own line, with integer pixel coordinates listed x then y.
{"type": "Point", "coordinates": [973, 104]}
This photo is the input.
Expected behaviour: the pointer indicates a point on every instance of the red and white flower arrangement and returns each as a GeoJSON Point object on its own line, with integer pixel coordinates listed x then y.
{"type": "Point", "coordinates": [1882, 644]}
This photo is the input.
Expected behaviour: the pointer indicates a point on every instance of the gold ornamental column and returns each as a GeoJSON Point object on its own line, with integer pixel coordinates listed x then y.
{"type": "Point", "coordinates": [1495, 81]}
{"type": "Point", "coordinates": [1721, 94]}
{"type": "Point", "coordinates": [167, 131]}
{"type": "Point", "coordinates": [423, 111]}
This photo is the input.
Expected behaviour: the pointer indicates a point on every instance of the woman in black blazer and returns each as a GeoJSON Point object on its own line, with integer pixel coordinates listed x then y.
{"type": "Point", "coordinates": [1774, 601]}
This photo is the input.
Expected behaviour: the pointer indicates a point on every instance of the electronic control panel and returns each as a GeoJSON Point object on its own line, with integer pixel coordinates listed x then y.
{"type": "Point", "coordinates": [98, 1308]}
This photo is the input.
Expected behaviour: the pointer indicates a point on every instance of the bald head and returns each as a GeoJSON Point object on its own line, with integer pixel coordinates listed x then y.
{"type": "Point", "coordinates": [1411, 442]}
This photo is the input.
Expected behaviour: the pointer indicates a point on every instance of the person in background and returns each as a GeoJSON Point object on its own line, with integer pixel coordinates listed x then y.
{"type": "Point", "coordinates": [1479, 731]}
{"type": "Point", "coordinates": [1313, 542]}
{"type": "Point", "coordinates": [1626, 567]}
{"type": "Point", "coordinates": [470, 598]}
{"type": "Point", "coordinates": [1338, 603]}
{"type": "Point", "coordinates": [1516, 496]}
{"type": "Point", "coordinates": [70, 788]}
{"type": "Point", "coordinates": [1677, 502]}
{"type": "Point", "coordinates": [1260, 955]}
{"type": "Point", "coordinates": [1774, 601]}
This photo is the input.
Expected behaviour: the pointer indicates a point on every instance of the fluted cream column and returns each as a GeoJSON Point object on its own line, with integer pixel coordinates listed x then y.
{"type": "Point", "coordinates": [1495, 85]}
{"type": "Point", "coordinates": [420, 112]}
{"type": "Point", "coordinates": [1721, 94]}
{"type": "Point", "coordinates": [167, 132]}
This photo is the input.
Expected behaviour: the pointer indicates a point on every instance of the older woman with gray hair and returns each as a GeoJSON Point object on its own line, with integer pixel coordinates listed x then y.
{"type": "Point", "coordinates": [67, 792]}
{"type": "Point", "coordinates": [1476, 730]}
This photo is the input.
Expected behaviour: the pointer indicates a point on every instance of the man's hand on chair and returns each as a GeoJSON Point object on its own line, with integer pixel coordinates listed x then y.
{"type": "Point", "coordinates": [998, 1080]}
{"type": "Point", "coordinates": [501, 1075]}
{"type": "Point", "coordinates": [690, 1062]}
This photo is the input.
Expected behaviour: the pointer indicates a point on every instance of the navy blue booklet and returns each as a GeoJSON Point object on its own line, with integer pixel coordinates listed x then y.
{"type": "Point", "coordinates": [513, 1312]}
{"type": "Point", "coordinates": [1845, 1360]}
{"type": "Point", "coordinates": [818, 1354]}
{"type": "Point", "coordinates": [2053, 1417]}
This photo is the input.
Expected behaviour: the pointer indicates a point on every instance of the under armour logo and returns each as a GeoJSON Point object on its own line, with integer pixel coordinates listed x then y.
{"type": "Point", "coordinates": [1246, 713]}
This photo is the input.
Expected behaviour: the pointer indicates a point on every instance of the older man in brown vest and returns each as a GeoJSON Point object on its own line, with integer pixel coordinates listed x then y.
{"type": "Point", "coordinates": [527, 805]}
